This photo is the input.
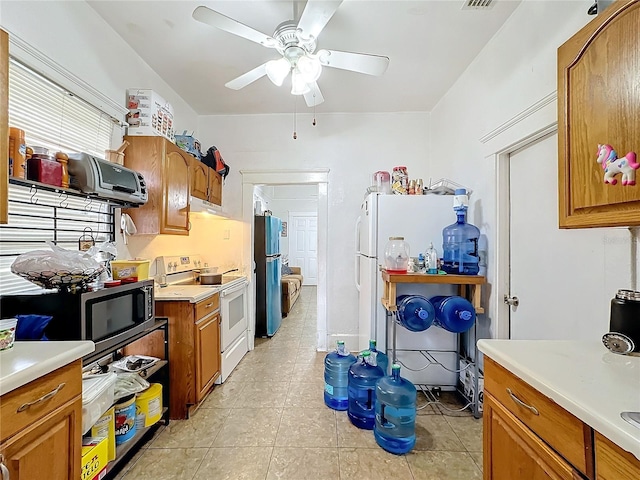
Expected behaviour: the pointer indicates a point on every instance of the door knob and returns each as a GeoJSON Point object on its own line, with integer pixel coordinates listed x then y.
{"type": "Point", "coordinates": [512, 301]}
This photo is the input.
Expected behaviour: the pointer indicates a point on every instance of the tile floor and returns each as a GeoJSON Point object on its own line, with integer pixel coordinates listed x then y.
{"type": "Point", "coordinates": [268, 421]}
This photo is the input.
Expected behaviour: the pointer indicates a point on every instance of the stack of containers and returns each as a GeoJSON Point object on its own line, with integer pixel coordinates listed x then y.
{"type": "Point", "coordinates": [336, 369]}
{"type": "Point", "coordinates": [363, 376]}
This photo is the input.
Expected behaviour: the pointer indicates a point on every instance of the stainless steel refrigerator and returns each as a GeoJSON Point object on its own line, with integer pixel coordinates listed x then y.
{"type": "Point", "coordinates": [268, 270]}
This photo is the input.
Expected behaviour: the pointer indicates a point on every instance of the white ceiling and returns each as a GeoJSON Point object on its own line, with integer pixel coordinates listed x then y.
{"type": "Point", "coordinates": [429, 43]}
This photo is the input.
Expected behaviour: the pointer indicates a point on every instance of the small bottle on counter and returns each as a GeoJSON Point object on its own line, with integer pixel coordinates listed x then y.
{"type": "Point", "coordinates": [419, 190]}
{"type": "Point", "coordinates": [17, 153]}
{"type": "Point", "coordinates": [412, 187]}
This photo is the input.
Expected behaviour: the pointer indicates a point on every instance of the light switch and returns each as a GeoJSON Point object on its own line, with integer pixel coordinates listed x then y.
{"type": "Point", "coordinates": [226, 234]}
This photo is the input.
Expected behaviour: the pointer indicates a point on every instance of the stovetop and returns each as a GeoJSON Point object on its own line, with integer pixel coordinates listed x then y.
{"type": "Point", "coordinates": [179, 275]}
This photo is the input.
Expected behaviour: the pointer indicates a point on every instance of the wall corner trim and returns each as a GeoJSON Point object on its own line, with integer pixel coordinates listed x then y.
{"type": "Point", "coordinates": [539, 105]}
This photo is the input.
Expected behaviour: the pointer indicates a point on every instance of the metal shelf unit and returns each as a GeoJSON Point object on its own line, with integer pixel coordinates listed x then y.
{"type": "Point", "coordinates": [125, 451]}
{"type": "Point", "coordinates": [470, 287]}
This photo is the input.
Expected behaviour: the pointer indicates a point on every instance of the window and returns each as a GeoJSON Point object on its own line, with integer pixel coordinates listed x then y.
{"type": "Point", "coordinates": [54, 118]}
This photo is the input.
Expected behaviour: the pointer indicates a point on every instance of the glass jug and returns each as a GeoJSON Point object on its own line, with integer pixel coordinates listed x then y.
{"type": "Point", "coordinates": [382, 182]}
{"type": "Point", "coordinates": [396, 255]}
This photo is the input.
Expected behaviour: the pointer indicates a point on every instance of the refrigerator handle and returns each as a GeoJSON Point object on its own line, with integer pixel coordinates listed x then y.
{"type": "Point", "coordinates": [357, 272]}
{"type": "Point", "coordinates": [357, 235]}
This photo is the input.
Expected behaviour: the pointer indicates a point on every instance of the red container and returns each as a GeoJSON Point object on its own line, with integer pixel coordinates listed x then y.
{"type": "Point", "coordinates": [44, 170]}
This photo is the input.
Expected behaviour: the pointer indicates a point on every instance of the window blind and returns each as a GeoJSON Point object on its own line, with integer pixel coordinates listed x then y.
{"type": "Point", "coordinates": [54, 118]}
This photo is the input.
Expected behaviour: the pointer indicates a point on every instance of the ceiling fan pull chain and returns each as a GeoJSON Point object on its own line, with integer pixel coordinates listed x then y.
{"type": "Point", "coordinates": [314, 109]}
{"type": "Point", "coordinates": [295, 134]}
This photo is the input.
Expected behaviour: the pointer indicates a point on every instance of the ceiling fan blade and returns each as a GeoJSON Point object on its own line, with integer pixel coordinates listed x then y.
{"type": "Point", "coordinates": [247, 78]}
{"type": "Point", "coordinates": [315, 16]}
{"type": "Point", "coordinates": [216, 19]}
{"type": "Point", "coordinates": [356, 62]}
{"type": "Point", "coordinates": [314, 96]}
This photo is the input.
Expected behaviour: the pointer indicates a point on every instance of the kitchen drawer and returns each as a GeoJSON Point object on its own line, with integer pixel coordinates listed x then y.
{"type": "Point", "coordinates": [613, 463]}
{"type": "Point", "coordinates": [66, 382]}
{"type": "Point", "coordinates": [205, 307]}
{"type": "Point", "coordinates": [558, 428]}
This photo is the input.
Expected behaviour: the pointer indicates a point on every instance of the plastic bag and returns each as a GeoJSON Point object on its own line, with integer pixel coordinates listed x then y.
{"type": "Point", "coordinates": [58, 268]}
{"type": "Point", "coordinates": [128, 383]}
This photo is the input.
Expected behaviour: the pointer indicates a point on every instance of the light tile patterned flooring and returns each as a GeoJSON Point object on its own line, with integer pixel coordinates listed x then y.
{"type": "Point", "coordinates": [268, 421]}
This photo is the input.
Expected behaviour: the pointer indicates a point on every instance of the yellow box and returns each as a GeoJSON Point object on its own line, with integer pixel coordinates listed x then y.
{"type": "Point", "coordinates": [136, 270]}
{"type": "Point", "coordinates": [149, 406]}
{"type": "Point", "coordinates": [94, 458]}
{"type": "Point", "coordinates": [106, 427]}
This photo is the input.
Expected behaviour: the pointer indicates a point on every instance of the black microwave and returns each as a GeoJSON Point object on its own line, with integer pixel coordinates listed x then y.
{"type": "Point", "coordinates": [106, 316]}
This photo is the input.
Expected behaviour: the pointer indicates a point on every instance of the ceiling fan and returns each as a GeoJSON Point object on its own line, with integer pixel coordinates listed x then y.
{"type": "Point", "coordinates": [297, 45]}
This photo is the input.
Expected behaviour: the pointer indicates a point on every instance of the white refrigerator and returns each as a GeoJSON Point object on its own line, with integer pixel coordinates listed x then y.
{"type": "Point", "coordinates": [420, 220]}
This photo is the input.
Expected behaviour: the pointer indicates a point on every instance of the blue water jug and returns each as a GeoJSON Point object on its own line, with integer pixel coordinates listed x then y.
{"type": "Point", "coordinates": [455, 314]}
{"type": "Point", "coordinates": [363, 376]}
{"type": "Point", "coordinates": [460, 242]}
{"type": "Point", "coordinates": [395, 425]}
{"type": "Point", "coordinates": [336, 377]}
{"type": "Point", "coordinates": [382, 360]}
{"type": "Point", "coordinates": [415, 312]}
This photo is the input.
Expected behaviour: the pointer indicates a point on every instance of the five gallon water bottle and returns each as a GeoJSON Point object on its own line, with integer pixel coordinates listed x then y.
{"type": "Point", "coordinates": [395, 425]}
{"type": "Point", "coordinates": [460, 241]}
{"type": "Point", "coordinates": [363, 376]}
{"type": "Point", "coordinates": [455, 314]}
{"type": "Point", "coordinates": [415, 312]}
{"type": "Point", "coordinates": [381, 358]}
{"type": "Point", "coordinates": [336, 377]}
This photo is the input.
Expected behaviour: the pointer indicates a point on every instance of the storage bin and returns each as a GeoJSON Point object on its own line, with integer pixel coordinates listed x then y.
{"type": "Point", "coordinates": [106, 427]}
{"type": "Point", "coordinates": [149, 114]}
{"type": "Point", "coordinates": [98, 394]}
{"type": "Point", "coordinates": [149, 406]}
{"type": "Point", "coordinates": [125, 413]}
{"type": "Point", "coordinates": [130, 270]}
{"type": "Point", "coordinates": [94, 458]}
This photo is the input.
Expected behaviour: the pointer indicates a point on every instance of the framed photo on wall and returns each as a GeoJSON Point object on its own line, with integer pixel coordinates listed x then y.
{"type": "Point", "coordinates": [284, 229]}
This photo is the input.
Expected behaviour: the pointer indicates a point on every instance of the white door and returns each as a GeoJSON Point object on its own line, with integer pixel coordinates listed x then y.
{"type": "Point", "coordinates": [303, 245]}
{"type": "Point", "coordinates": [563, 279]}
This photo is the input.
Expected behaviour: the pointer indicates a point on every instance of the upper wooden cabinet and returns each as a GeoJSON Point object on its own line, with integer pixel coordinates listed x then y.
{"type": "Point", "coordinates": [199, 179]}
{"type": "Point", "coordinates": [215, 187]}
{"type": "Point", "coordinates": [167, 172]}
{"type": "Point", "coordinates": [4, 127]}
{"type": "Point", "coordinates": [598, 104]}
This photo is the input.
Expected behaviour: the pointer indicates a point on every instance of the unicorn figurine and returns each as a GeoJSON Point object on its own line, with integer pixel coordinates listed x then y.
{"type": "Point", "coordinates": [613, 165]}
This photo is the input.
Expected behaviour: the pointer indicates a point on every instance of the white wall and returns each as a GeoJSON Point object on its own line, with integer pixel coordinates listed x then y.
{"type": "Point", "coordinates": [515, 71]}
{"type": "Point", "coordinates": [352, 147]}
{"type": "Point", "coordinates": [75, 37]}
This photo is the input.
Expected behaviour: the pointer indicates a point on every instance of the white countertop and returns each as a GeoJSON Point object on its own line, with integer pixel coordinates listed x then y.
{"type": "Point", "coordinates": [192, 293]}
{"type": "Point", "coordinates": [27, 361]}
{"type": "Point", "coordinates": [583, 377]}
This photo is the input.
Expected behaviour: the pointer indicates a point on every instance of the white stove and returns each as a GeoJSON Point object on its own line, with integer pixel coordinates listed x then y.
{"type": "Point", "coordinates": [178, 279]}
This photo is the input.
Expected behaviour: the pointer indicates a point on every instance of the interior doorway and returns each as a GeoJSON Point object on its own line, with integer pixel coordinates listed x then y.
{"type": "Point", "coordinates": [303, 244]}
{"type": "Point", "coordinates": [319, 178]}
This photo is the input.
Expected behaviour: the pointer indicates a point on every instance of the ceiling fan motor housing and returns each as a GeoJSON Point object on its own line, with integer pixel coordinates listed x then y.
{"type": "Point", "coordinates": [289, 42]}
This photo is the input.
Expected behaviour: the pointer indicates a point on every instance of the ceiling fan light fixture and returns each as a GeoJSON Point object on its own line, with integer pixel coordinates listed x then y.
{"type": "Point", "coordinates": [310, 68]}
{"type": "Point", "coordinates": [298, 83]}
{"type": "Point", "coordinates": [277, 70]}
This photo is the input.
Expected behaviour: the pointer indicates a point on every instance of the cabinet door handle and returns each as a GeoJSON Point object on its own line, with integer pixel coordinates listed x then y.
{"type": "Point", "coordinates": [4, 471]}
{"type": "Point", "coordinates": [534, 410]}
{"type": "Point", "coordinates": [43, 398]}
{"type": "Point", "coordinates": [209, 305]}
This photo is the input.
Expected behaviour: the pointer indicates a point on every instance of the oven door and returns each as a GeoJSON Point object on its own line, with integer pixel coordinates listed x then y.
{"type": "Point", "coordinates": [233, 313]}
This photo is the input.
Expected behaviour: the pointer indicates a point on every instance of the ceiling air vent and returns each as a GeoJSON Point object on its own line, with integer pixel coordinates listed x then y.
{"type": "Point", "coordinates": [478, 4]}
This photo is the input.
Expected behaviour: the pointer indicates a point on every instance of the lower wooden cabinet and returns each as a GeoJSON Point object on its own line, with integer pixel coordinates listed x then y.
{"type": "Point", "coordinates": [194, 349]}
{"type": "Point", "coordinates": [613, 463]}
{"type": "Point", "coordinates": [207, 353]}
{"type": "Point", "coordinates": [512, 451]}
{"type": "Point", "coordinates": [41, 426]}
{"type": "Point", "coordinates": [51, 445]}
{"type": "Point", "coordinates": [529, 436]}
